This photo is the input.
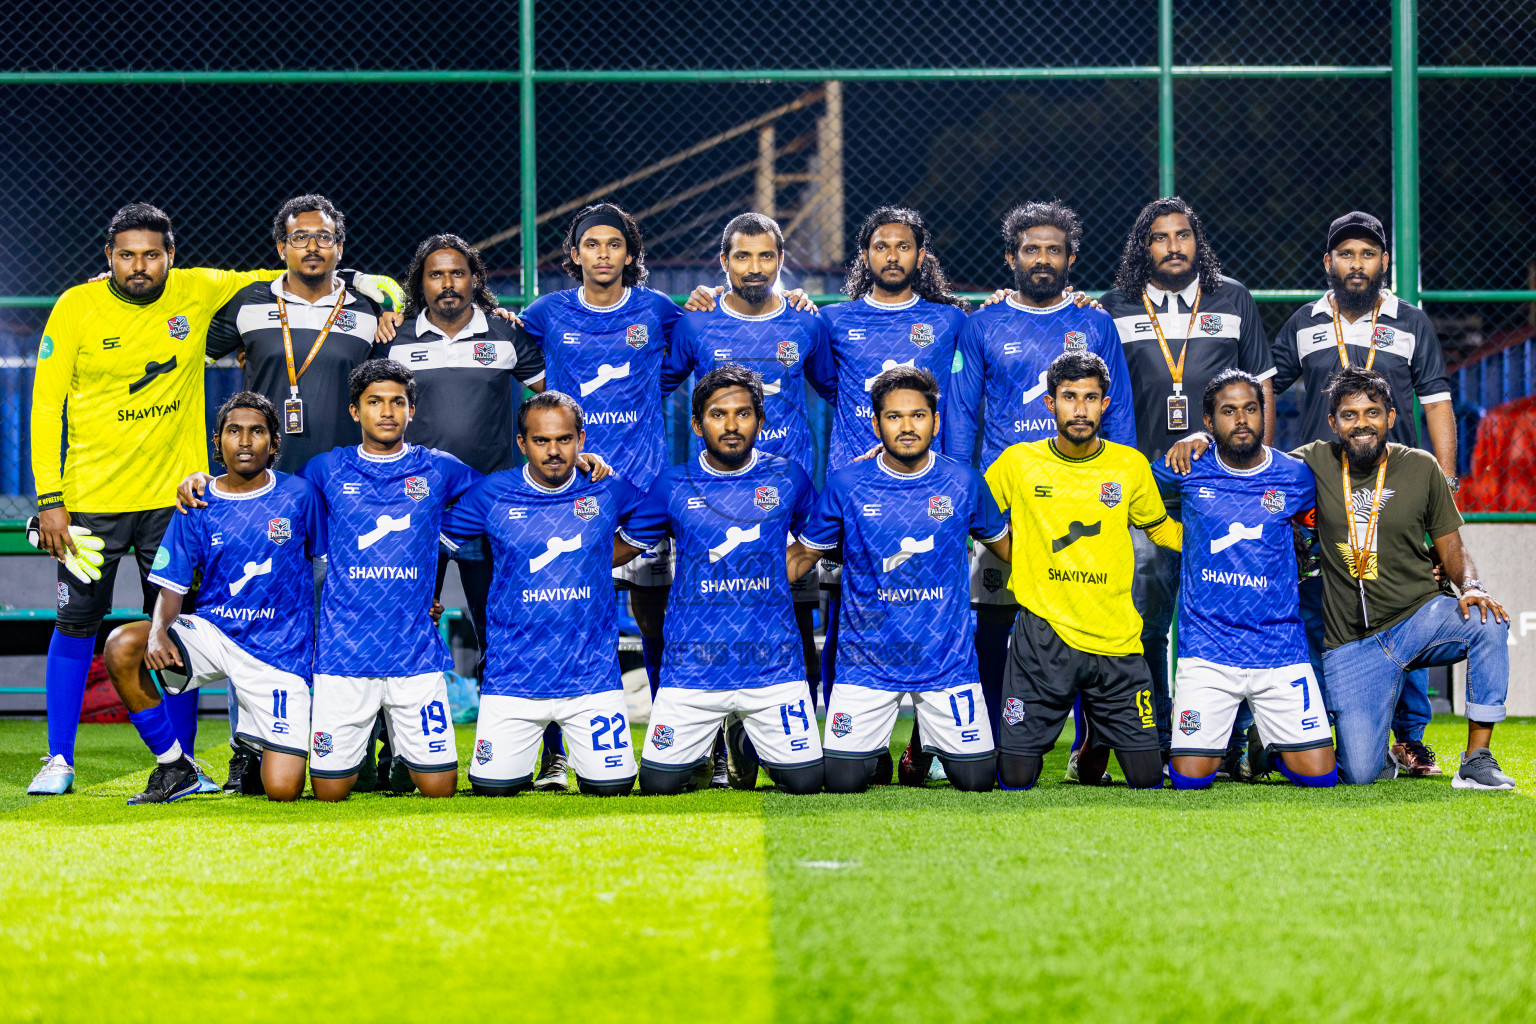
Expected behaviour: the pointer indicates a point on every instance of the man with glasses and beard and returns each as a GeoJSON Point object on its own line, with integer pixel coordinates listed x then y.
{"type": "Point", "coordinates": [1360, 323]}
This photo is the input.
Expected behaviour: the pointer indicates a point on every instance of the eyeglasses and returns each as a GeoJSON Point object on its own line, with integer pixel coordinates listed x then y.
{"type": "Point", "coordinates": [301, 239]}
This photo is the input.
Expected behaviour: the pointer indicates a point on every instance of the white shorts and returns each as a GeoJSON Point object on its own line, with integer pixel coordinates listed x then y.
{"type": "Point", "coordinates": [416, 712]}
{"type": "Point", "coordinates": [780, 719]}
{"type": "Point", "coordinates": [1286, 702]}
{"type": "Point", "coordinates": [595, 726]}
{"type": "Point", "coordinates": [953, 722]}
{"type": "Point", "coordinates": [989, 577]}
{"type": "Point", "coordinates": [651, 568]}
{"type": "Point", "coordinates": [273, 704]}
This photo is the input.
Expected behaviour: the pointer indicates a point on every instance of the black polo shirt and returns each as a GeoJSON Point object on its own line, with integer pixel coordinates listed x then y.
{"type": "Point", "coordinates": [468, 387]}
{"type": "Point", "coordinates": [1226, 333]}
{"type": "Point", "coordinates": [249, 323]}
{"type": "Point", "coordinates": [1407, 354]}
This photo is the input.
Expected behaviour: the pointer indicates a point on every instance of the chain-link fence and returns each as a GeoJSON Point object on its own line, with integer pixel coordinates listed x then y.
{"type": "Point", "coordinates": [498, 121]}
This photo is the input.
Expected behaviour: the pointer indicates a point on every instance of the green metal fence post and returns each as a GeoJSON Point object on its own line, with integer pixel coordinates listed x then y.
{"type": "Point", "coordinates": [1165, 97]}
{"type": "Point", "coordinates": [528, 136]}
{"type": "Point", "coordinates": [1405, 149]}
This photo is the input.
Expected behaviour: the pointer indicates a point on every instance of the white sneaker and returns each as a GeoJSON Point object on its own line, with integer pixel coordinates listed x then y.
{"type": "Point", "coordinates": [1481, 771]}
{"type": "Point", "coordinates": [56, 778]}
{"type": "Point", "coordinates": [936, 771]}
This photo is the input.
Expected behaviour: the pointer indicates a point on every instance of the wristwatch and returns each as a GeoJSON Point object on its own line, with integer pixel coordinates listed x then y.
{"type": "Point", "coordinates": [1473, 585]}
{"type": "Point", "coordinates": [1454, 483]}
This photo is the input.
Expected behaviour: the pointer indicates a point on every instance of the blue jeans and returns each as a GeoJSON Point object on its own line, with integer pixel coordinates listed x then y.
{"type": "Point", "coordinates": [1155, 593]}
{"type": "Point", "coordinates": [1412, 713]}
{"type": "Point", "coordinates": [1365, 678]}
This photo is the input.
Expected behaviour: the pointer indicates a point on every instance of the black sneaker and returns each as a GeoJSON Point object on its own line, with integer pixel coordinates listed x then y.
{"type": "Point", "coordinates": [884, 769]}
{"type": "Point", "coordinates": [239, 764]}
{"type": "Point", "coordinates": [368, 772]}
{"type": "Point", "coordinates": [552, 772]}
{"type": "Point", "coordinates": [720, 773]}
{"type": "Point", "coordinates": [169, 782]}
{"type": "Point", "coordinates": [250, 782]}
{"type": "Point", "coordinates": [1258, 757]}
{"type": "Point", "coordinates": [400, 781]}
{"type": "Point", "coordinates": [740, 758]}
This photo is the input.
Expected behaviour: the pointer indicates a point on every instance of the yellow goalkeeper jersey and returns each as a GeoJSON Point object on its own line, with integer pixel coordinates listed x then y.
{"type": "Point", "coordinates": [132, 377]}
{"type": "Point", "coordinates": [1071, 522]}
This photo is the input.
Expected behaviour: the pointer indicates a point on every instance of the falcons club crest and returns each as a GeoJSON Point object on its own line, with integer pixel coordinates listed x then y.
{"type": "Point", "coordinates": [1109, 494]}
{"type": "Point", "coordinates": [635, 335]}
{"type": "Point", "coordinates": [1273, 501]}
{"type": "Point", "coordinates": [1076, 343]}
{"type": "Point", "coordinates": [178, 327]}
{"type": "Point", "coordinates": [940, 507]}
{"type": "Point", "coordinates": [416, 487]}
{"type": "Point", "coordinates": [789, 352]}
{"type": "Point", "coordinates": [279, 530]}
{"type": "Point", "coordinates": [485, 352]}
{"type": "Point", "coordinates": [586, 508]}
{"type": "Point", "coordinates": [1382, 336]}
{"type": "Point", "coordinates": [922, 335]}
{"type": "Point", "coordinates": [1210, 323]}
{"type": "Point", "coordinates": [766, 498]}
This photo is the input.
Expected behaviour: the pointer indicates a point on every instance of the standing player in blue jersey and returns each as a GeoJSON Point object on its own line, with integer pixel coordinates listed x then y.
{"type": "Point", "coordinates": [900, 523]}
{"type": "Point", "coordinates": [552, 654]}
{"type": "Point", "coordinates": [1241, 635]}
{"type": "Point", "coordinates": [378, 645]}
{"type": "Point", "coordinates": [1005, 352]}
{"type": "Point", "coordinates": [604, 344]}
{"type": "Point", "coordinates": [733, 657]}
{"type": "Point", "coordinates": [756, 327]}
{"type": "Point", "coordinates": [255, 622]}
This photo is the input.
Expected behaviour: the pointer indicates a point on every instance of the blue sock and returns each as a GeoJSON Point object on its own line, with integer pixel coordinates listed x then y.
{"type": "Point", "coordinates": [1190, 781]}
{"type": "Point", "coordinates": [69, 662]}
{"type": "Point", "coordinates": [651, 648]}
{"type": "Point", "coordinates": [1015, 789]}
{"type": "Point", "coordinates": [554, 740]}
{"type": "Point", "coordinates": [1079, 723]}
{"type": "Point", "coordinates": [829, 649]}
{"type": "Point", "coordinates": [183, 711]}
{"type": "Point", "coordinates": [1311, 781]}
{"type": "Point", "coordinates": [155, 729]}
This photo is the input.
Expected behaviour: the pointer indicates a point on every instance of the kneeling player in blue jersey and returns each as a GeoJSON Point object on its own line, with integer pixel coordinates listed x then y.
{"type": "Point", "coordinates": [255, 619]}
{"type": "Point", "coordinates": [732, 650]}
{"type": "Point", "coordinates": [378, 645]}
{"type": "Point", "coordinates": [901, 521]}
{"type": "Point", "coordinates": [1241, 635]}
{"type": "Point", "coordinates": [552, 648]}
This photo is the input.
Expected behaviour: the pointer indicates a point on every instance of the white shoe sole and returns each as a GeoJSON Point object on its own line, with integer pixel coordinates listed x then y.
{"type": "Point", "coordinates": [1459, 781]}
{"type": "Point", "coordinates": [551, 785]}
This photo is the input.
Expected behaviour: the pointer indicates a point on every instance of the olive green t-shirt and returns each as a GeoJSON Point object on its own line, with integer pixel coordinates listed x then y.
{"type": "Point", "coordinates": [1399, 575]}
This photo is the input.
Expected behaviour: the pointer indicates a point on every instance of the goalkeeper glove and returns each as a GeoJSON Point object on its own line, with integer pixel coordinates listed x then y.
{"type": "Point", "coordinates": [84, 566]}
{"type": "Point", "coordinates": [386, 291]}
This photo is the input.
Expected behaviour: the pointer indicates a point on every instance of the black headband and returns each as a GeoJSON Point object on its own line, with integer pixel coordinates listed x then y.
{"type": "Point", "coordinates": [598, 218]}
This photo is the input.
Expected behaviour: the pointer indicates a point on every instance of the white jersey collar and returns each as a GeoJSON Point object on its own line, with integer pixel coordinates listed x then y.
{"type": "Point", "coordinates": [743, 471]}
{"type": "Point", "coordinates": [1063, 304]}
{"type": "Point", "coordinates": [478, 324]}
{"type": "Point", "coordinates": [892, 307]}
{"type": "Point", "coordinates": [265, 488]}
{"type": "Point", "coordinates": [581, 297]}
{"type": "Point", "coordinates": [888, 471]}
{"type": "Point", "coordinates": [570, 482]}
{"type": "Point", "coordinates": [1269, 457]}
{"type": "Point", "coordinates": [404, 448]}
{"type": "Point", "coordinates": [1160, 297]}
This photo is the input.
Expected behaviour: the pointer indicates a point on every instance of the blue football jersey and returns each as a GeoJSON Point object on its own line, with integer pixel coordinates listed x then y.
{"type": "Point", "coordinates": [787, 347]}
{"type": "Point", "coordinates": [253, 551]}
{"type": "Point", "coordinates": [869, 338]}
{"type": "Point", "coordinates": [1239, 603]}
{"type": "Point", "coordinates": [609, 359]}
{"type": "Point", "coordinates": [730, 621]}
{"type": "Point", "coordinates": [384, 514]}
{"type": "Point", "coordinates": [906, 613]}
{"type": "Point", "coordinates": [553, 626]}
{"type": "Point", "coordinates": [1005, 350]}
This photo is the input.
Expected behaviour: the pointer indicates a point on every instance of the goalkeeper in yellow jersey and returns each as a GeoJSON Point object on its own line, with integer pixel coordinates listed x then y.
{"type": "Point", "coordinates": [1072, 501]}
{"type": "Point", "coordinates": [121, 360]}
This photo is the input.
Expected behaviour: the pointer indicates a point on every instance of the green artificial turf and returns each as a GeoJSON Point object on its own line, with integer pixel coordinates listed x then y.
{"type": "Point", "coordinates": [1405, 899]}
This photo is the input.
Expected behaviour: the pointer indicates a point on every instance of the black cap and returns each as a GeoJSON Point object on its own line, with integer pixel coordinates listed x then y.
{"type": "Point", "coordinates": [1356, 224]}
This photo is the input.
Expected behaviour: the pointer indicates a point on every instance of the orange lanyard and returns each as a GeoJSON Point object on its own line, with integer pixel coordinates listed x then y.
{"type": "Point", "coordinates": [1175, 370]}
{"type": "Point", "coordinates": [1338, 334]}
{"type": "Point", "coordinates": [282, 315]}
{"type": "Point", "coordinates": [1360, 552]}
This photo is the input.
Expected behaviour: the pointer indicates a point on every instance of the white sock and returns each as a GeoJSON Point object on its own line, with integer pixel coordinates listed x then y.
{"type": "Point", "coordinates": [171, 756]}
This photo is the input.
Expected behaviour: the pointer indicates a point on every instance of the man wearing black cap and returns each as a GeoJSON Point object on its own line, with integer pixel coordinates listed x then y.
{"type": "Point", "coordinates": [1360, 323]}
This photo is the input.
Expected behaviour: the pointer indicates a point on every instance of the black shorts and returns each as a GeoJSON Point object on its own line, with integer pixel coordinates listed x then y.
{"type": "Point", "coordinates": [1044, 677]}
{"type": "Point", "coordinates": [82, 604]}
